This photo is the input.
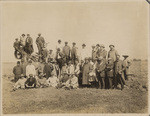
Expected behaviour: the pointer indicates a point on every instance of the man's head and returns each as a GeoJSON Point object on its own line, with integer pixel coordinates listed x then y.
{"type": "Point", "coordinates": [22, 76]}
{"type": "Point", "coordinates": [76, 61]}
{"type": "Point", "coordinates": [16, 39]}
{"type": "Point", "coordinates": [59, 41]}
{"type": "Point", "coordinates": [28, 35]}
{"type": "Point", "coordinates": [66, 43]}
{"type": "Point", "coordinates": [83, 45]}
{"type": "Point", "coordinates": [73, 43]}
{"type": "Point", "coordinates": [102, 46]}
{"type": "Point", "coordinates": [22, 60]}
{"type": "Point", "coordinates": [50, 51]}
{"type": "Point", "coordinates": [39, 34]}
{"type": "Point", "coordinates": [23, 35]}
{"type": "Point", "coordinates": [125, 56]}
{"type": "Point", "coordinates": [18, 63]}
{"type": "Point", "coordinates": [93, 46]}
{"type": "Point", "coordinates": [111, 47]}
{"type": "Point", "coordinates": [99, 59]}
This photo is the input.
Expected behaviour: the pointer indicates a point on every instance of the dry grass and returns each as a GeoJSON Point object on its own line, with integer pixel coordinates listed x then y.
{"type": "Point", "coordinates": [133, 99]}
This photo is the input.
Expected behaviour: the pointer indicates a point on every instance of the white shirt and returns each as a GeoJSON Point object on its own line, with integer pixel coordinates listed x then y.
{"type": "Point", "coordinates": [84, 53]}
{"type": "Point", "coordinates": [59, 46]}
{"type": "Point", "coordinates": [30, 69]}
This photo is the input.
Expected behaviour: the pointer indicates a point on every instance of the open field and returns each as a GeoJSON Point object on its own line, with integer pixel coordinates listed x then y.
{"type": "Point", "coordinates": [133, 99]}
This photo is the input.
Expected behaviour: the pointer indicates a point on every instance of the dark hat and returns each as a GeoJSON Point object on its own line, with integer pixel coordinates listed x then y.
{"type": "Point", "coordinates": [39, 33]}
{"type": "Point", "coordinates": [59, 40]}
{"type": "Point", "coordinates": [28, 34]}
{"type": "Point", "coordinates": [16, 39]}
{"type": "Point", "coordinates": [18, 62]}
{"type": "Point", "coordinates": [30, 75]}
{"type": "Point", "coordinates": [23, 34]}
{"type": "Point", "coordinates": [50, 50]}
{"type": "Point", "coordinates": [97, 45]}
{"type": "Point", "coordinates": [66, 42]}
{"type": "Point", "coordinates": [58, 49]}
{"type": "Point", "coordinates": [83, 45]}
{"type": "Point", "coordinates": [125, 56]}
{"type": "Point", "coordinates": [87, 58]}
{"type": "Point", "coordinates": [111, 45]}
{"type": "Point", "coordinates": [74, 43]}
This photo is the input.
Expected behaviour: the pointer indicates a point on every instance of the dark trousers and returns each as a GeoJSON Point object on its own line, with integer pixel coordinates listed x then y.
{"type": "Point", "coordinates": [101, 82]}
{"type": "Point", "coordinates": [110, 81]}
{"type": "Point", "coordinates": [118, 80]}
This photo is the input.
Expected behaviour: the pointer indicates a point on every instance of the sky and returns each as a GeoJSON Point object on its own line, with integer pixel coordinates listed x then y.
{"type": "Point", "coordinates": [124, 24]}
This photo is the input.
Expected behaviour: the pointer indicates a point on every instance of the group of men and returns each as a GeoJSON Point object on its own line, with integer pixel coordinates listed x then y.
{"type": "Point", "coordinates": [69, 69]}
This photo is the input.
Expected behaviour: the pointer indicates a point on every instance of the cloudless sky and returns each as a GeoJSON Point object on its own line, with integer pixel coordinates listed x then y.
{"type": "Point", "coordinates": [124, 24]}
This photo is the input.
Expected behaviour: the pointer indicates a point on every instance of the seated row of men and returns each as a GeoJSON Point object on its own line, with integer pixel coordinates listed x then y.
{"type": "Point", "coordinates": [100, 72]}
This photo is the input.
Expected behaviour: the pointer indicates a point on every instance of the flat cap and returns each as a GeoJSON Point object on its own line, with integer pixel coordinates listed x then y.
{"type": "Point", "coordinates": [83, 45]}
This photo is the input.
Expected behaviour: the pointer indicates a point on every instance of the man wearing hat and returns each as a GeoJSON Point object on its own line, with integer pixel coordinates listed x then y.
{"type": "Point", "coordinates": [93, 52]}
{"type": "Point", "coordinates": [66, 51]}
{"type": "Point", "coordinates": [30, 69]}
{"type": "Point", "coordinates": [17, 71]}
{"type": "Point", "coordinates": [100, 72]}
{"type": "Point", "coordinates": [127, 65]}
{"type": "Point", "coordinates": [23, 40]}
{"type": "Point", "coordinates": [59, 45]}
{"type": "Point", "coordinates": [109, 73]}
{"type": "Point", "coordinates": [87, 68]}
{"type": "Point", "coordinates": [102, 52]}
{"type": "Point", "coordinates": [84, 52]}
{"type": "Point", "coordinates": [112, 53]}
{"type": "Point", "coordinates": [40, 41]}
{"type": "Point", "coordinates": [29, 45]}
{"type": "Point", "coordinates": [16, 44]}
{"type": "Point", "coordinates": [74, 52]}
{"type": "Point", "coordinates": [119, 68]}
{"type": "Point", "coordinates": [48, 68]}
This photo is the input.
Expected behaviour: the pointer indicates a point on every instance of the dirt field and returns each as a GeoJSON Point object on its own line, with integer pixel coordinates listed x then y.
{"type": "Point", "coordinates": [133, 99]}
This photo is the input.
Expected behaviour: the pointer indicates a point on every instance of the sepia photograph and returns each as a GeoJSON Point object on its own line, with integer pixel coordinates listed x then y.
{"type": "Point", "coordinates": [74, 57]}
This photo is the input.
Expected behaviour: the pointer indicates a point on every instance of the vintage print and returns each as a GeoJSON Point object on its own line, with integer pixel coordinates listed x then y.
{"type": "Point", "coordinates": [74, 57]}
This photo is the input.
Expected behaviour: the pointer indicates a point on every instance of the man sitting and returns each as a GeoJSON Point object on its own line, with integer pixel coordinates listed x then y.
{"type": "Point", "coordinates": [31, 82]}
{"type": "Point", "coordinates": [20, 83]}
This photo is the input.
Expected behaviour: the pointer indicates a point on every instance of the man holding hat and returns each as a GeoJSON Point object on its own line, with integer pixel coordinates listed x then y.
{"type": "Point", "coordinates": [66, 51]}
{"type": "Point", "coordinates": [100, 72]}
{"type": "Point", "coordinates": [112, 53]}
{"type": "Point", "coordinates": [40, 41]}
{"type": "Point", "coordinates": [74, 52]}
{"type": "Point", "coordinates": [102, 52]}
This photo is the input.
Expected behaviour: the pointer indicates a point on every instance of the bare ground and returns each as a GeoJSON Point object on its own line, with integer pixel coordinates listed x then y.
{"type": "Point", "coordinates": [133, 99]}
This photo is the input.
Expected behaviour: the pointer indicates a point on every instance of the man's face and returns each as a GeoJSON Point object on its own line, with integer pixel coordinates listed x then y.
{"type": "Point", "coordinates": [101, 48]}
{"type": "Point", "coordinates": [111, 47]}
{"type": "Point", "coordinates": [86, 61]}
{"type": "Point", "coordinates": [18, 64]}
{"type": "Point", "coordinates": [59, 42]}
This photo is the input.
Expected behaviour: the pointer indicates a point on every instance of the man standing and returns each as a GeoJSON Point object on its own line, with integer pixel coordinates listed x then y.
{"type": "Point", "coordinates": [16, 44]}
{"type": "Point", "coordinates": [87, 68]}
{"type": "Point", "coordinates": [29, 45]}
{"type": "Point", "coordinates": [84, 52]}
{"type": "Point", "coordinates": [40, 43]}
{"type": "Point", "coordinates": [112, 53]}
{"type": "Point", "coordinates": [126, 64]}
{"type": "Point", "coordinates": [119, 68]}
{"type": "Point", "coordinates": [48, 68]}
{"type": "Point", "coordinates": [23, 65]}
{"type": "Point", "coordinates": [110, 72]}
{"type": "Point", "coordinates": [102, 52]}
{"type": "Point", "coordinates": [93, 53]}
{"type": "Point", "coordinates": [74, 52]}
{"type": "Point", "coordinates": [59, 45]}
{"type": "Point", "coordinates": [66, 51]}
{"type": "Point", "coordinates": [100, 71]}
{"type": "Point", "coordinates": [17, 70]}
{"type": "Point", "coordinates": [23, 40]}
{"type": "Point", "coordinates": [30, 69]}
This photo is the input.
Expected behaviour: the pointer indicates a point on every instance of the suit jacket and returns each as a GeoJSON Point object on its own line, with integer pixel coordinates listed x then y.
{"type": "Point", "coordinates": [119, 67]}
{"type": "Point", "coordinates": [102, 53]}
{"type": "Point", "coordinates": [113, 54]}
{"type": "Point", "coordinates": [100, 68]}
{"type": "Point", "coordinates": [66, 50]}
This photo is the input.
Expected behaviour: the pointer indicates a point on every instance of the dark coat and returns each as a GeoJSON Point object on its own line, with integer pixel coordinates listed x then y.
{"type": "Point", "coordinates": [100, 68]}
{"type": "Point", "coordinates": [48, 68]}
